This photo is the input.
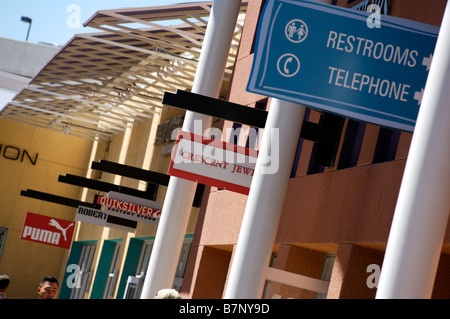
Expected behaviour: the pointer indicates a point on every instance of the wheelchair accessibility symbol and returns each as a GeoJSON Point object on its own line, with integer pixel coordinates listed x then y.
{"type": "Point", "coordinates": [288, 65]}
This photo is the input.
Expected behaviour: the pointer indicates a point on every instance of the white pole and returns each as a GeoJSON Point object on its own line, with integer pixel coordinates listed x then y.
{"type": "Point", "coordinates": [180, 193]}
{"type": "Point", "coordinates": [423, 205]}
{"type": "Point", "coordinates": [265, 200]}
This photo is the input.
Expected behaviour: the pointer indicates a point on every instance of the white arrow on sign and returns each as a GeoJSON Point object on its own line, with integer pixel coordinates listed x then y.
{"type": "Point", "coordinates": [418, 96]}
{"type": "Point", "coordinates": [427, 61]}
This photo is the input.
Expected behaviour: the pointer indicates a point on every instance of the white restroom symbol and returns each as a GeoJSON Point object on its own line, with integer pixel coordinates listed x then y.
{"type": "Point", "coordinates": [288, 65]}
{"type": "Point", "coordinates": [296, 31]}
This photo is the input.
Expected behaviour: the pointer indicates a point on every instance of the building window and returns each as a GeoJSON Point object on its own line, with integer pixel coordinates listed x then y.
{"type": "Point", "coordinates": [255, 132]}
{"type": "Point", "coordinates": [135, 283]}
{"type": "Point", "coordinates": [112, 274]}
{"type": "Point", "coordinates": [179, 274]}
{"type": "Point", "coordinates": [266, 290]}
{"type": "Point", "coordinates": [164, 132]}
{"type": "Point", "coordinates": [144, 258]}
{"type": "Point", "coordinates": [327, 269]}
{"type": "Point", "coordinates": [351, 147]}
{"type": "Point", "coordinates": [263, 3]}
{"type": "Point", "coordinates": [235, 133]}
{"type": "Point", "coordinates": [298, 152]}
{"type": "Point", "coordinates": [3, 232]}
{"type": "Point", "coordinates": [387, 144]}
{"type": "Point", "coordinates": [314, 168]}
{"type": "Point", "coordinates": [85, 275]}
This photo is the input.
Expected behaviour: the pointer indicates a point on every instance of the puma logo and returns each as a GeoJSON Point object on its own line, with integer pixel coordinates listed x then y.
{"type": "Point", "coordinates": [55, 224]}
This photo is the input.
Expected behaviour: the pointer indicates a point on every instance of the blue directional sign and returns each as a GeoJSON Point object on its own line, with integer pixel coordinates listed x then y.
{"type": "Point", "coordinates": [339, 61]}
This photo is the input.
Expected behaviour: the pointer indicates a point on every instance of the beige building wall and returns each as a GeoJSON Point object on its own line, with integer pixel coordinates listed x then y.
{"type": "Point", "coordinates": [24, 261]}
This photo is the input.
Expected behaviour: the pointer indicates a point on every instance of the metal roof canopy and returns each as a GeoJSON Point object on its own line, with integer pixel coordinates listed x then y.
{"type": "Point", "coordinates": [101, 83]}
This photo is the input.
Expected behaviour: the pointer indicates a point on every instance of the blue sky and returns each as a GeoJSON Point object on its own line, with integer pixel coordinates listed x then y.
{"type": "Point", "coordinates": [54, 21]}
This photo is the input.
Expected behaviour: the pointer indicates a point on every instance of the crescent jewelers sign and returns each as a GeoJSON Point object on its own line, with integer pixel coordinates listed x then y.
{"type": "Point", "coordinates": [213, 162]}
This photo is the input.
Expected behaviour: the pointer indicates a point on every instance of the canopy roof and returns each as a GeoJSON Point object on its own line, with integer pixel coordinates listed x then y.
{"type": "Point", "coordinates": [99, 83]}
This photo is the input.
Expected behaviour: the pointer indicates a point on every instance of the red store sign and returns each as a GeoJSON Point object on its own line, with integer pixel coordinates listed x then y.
{"type": "Point", "coordinates": [48, 230]}
{"type": "Point", "coordinates": [213, 162]}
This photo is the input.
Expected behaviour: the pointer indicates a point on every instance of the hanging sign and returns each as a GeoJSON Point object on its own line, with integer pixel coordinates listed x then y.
{"type": "Point", "coordinates": [102, 218]}
{"type": "Point", "coordinates": [130, 211]}
{"type": "Point", "coordinates": [213, 162]}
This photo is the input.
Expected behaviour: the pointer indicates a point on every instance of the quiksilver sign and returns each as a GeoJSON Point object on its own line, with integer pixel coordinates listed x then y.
{"type": "Point", "coordinates": [129, 211]}
{"type": "Point", "coordinates": [129, 207]}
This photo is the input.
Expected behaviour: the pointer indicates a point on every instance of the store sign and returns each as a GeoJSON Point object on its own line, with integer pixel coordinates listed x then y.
{"type": "Point", "coordinates": [16, 154]}
{"type": "Point", "coordinates": [120, 211]}
{"type": "Point", "coordinates": [213, 162]}
{"type": "Point", "coordinates": [135, 200]}
{"type": "Point", "coordinates": [329, 58]}
{"type": "Point", "coordinates": [165, 129]}
{"type": "Point", "coordinates": [101, 218]}
{"type": "Point", "coordinates": [92, 216]}
{"type": "Point", "coordinates": [48, 230]}
{"type": "Point", "coordinates": [130, 211]}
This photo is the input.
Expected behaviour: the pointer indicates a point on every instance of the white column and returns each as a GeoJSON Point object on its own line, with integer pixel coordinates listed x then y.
{"type": "Point", "coordinates": [423, 205]}
{"type": "Point", "coordinates": [265, 200]}
{"type": "Point", "coordinates": [180, 192]}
